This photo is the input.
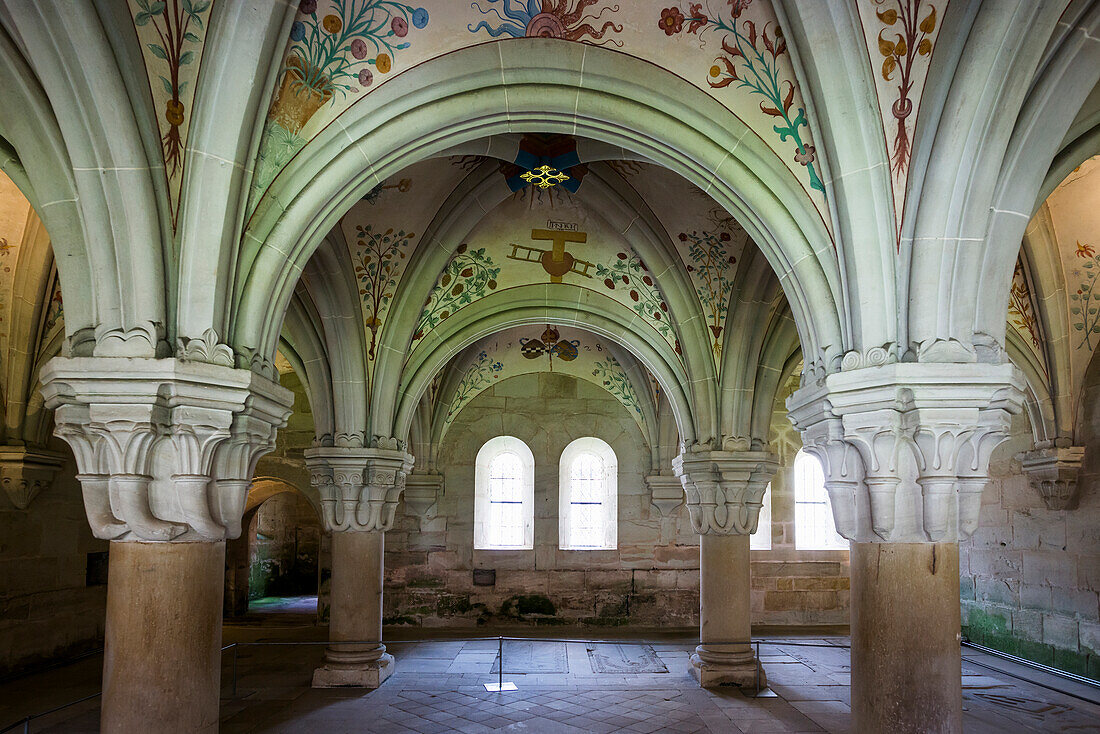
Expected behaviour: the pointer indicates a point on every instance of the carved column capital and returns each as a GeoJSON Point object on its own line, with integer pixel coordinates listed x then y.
{"type": "Point", "coordinates": [359, 487]}
{"type": "Point", "coordinates": [165, 447]}
{"type": "Point", "coordinates": [1052, 472]}
{"type": "Point", "coordinates": [725, 489]}
{"type": "Point", "coordinates": [881, 430]}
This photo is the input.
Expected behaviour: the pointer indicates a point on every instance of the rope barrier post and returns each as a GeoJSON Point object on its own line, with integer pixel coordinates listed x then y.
{"type": "Point", "coordinates": [234, 670]}
{"type": "Point", "coordinates": [500, 672]}
{"type": "Point", "coordinates": [757, 692]}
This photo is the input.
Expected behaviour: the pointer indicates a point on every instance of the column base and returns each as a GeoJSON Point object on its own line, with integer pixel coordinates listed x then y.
{"type": "Point", "coordinates": [365, 675]}
{"type": "Point", "coordinates": [744, 673]}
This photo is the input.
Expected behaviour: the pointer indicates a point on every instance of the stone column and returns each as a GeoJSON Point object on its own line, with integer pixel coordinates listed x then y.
{"type": "Point", "coordinates": [725, 490]}
{"type": "Point", "coordinates": [165, 449]}
{"type": "Point", "coordinates": [905, 449]}
{"type": "Point", "coordinates": [360, 489]}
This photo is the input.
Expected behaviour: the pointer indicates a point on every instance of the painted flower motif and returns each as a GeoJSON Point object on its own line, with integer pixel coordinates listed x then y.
{"type": "Point", "coordinates": [307, 7]}
{"type": "Point", "coordinates": [696, 17]}
{"type": "Point", "coordinates": [383, 63]}
{"type": "Point", "coordinates": [1085, 250]}
{"type": "Point", "coordinates": [359, 48]}
{"type": "Point", "coordinates": [297, 31]}
{"type": "Point", "coordinates": [399, 26]}
{"type": "Point", "coordinates": [332, 23]}
{"type": "Point", "coordinates": [420, 18]}
{"type": "Point", "coordinates": [805, 158]}
{"type": "Point", "coordinates": [738, 6]}
{"type": "Point", "coordinates": [672, 21]}
{"type": "Point", "coordinates": [365, 77]}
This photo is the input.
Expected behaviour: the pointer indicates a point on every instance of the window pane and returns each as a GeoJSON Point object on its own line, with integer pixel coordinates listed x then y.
{"type": "Point", "coordinates": [813, 520]}
{"type": "Point", "coordinates": [762, 538]}
{"type": "Point", "coordinates": [503, 506]}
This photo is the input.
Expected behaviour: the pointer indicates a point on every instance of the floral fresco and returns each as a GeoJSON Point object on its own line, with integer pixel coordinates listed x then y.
{"type": "Point", "coordinates": [568, 19]}
{"type": "Point", "coordinates": [708, 240]}
{"type": "Point", "coordinates": [900, 37]}
{"type": "Point", "coordinates": [749, 61]}
{"type": "Point", "coordinates": [628, 273]}
{"type": "Point", "coordinates": [477, 377]}
{"type": "Point", "coordinates": [611, 375]}
{"type": "Point", "coordinates": [533, 240]}
{"type": "Point", "coordinates": [470, 275]}
{"type": "Point", "coordinates": [337, 48]}
{"type": "Point", "coordinates": [1084, 305]}
{"type": "Point", "coordinates": [709, 262]}
{"type": "Point", "coordinates": [513, 352]}
{"type": "Point", "coordinates": [1021, 311]}
{"type": "Point", "coordinates": [764, 93]}
{"type": "Point", "coordinates": [377, 260]}
{"type": "Point", "coordinates": [172, 33]}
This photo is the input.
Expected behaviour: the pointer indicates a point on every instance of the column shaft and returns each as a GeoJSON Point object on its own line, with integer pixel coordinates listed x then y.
{"type": "Point", "coordinates": [906, 661]}
{"type": "Point", "coordinates": [724, 613]}
{"type": "Point", "coordinates": [355, 613]}
{"type": "Point", "coordinates": [162, 665]}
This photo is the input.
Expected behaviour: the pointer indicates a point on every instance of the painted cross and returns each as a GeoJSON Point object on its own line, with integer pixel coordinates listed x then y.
{"type": "Point", "coordinates": [545, 177]}
{"type": "Point", "coordinates": [556, 261]}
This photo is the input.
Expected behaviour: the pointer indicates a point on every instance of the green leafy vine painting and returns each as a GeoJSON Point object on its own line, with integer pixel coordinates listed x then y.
{"type": "Point", "coordinates": [611, 375]}
{"type": "Point", "coordinates": [476, 378]}
{"type": "Point", "coordinates": [377, 257]}
{"type": "Point", "coordinates": [751, 61]}
{"type": "Point", "coordinates": [1085, 302]}
{"type": "Point", "coordinates": [627, 271]}
{"type": "Point", "coordinates": [470, 275]}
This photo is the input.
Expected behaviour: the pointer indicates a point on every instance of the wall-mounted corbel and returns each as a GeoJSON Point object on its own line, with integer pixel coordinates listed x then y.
{"type": "Point", "coordinates": [24, 472]}
{"type": "Point", "coordinates": [1052, 472]}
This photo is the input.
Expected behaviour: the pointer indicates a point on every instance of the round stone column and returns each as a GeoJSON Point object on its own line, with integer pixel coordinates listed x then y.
{"type": "Point", "coordinates": [355, 614]}
{"type": "Point", "coordinates": [906, 659]}
{"type": "Point", "coordinates": [724, 655]}
{"type": "Point", "coordinates": [162, 659]}
{"type": "Point", "coordinates": [724, 491]}
{"type": "Point", "coordinates": [359, 489]}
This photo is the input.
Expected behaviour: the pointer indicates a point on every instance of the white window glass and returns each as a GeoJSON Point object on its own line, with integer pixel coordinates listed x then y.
{"type": "Point", "coordinates": [762, 538]}
{"type": "Point", "coordinates": [588, 496]}
{"type": "Point", "coordinates": [813, 516]}
{"type": "Point", "coordinates": [504, 485]}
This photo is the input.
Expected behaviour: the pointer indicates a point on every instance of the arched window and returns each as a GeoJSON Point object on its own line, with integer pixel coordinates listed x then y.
{"type": "Point", "coordinates": [588, 479]}
{"type": "Point", "coordinates": [504, 495]}
{"type": "Point", "coordinates": [762, 538]}
{"type": "Point", "coordinates": [813, 516]}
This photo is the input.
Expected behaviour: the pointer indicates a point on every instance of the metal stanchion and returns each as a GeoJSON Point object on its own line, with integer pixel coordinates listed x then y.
{"type": "Point", "coordinates": [234, 670]}
{"type": "Point", "coordinates": [500, 685]}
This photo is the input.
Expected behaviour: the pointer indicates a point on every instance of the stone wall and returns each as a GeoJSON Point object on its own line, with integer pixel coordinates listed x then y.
{"type": "Point", "coordinates": [1030, 576]}
{"type": "Point", "coordinates": [435, 578]}
{"type": "Point", "coordinates": [53, 577]}
{"type": "Point", "coordinates": [796, 587]}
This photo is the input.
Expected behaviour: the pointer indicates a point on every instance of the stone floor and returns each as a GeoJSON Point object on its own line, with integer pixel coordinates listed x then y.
{"type": "Point", "coordinates": [438, 687]}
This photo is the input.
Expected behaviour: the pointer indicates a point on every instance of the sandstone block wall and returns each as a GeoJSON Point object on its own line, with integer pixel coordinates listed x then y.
{"type": "Point", "coordinates": [51, 606]}
{"type": "Point", "coordinates": [1030, 577]}
{"type": "Point", "coordinates": [791, 586]}
{"type": "Point", "coordinates": [435, 578]}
